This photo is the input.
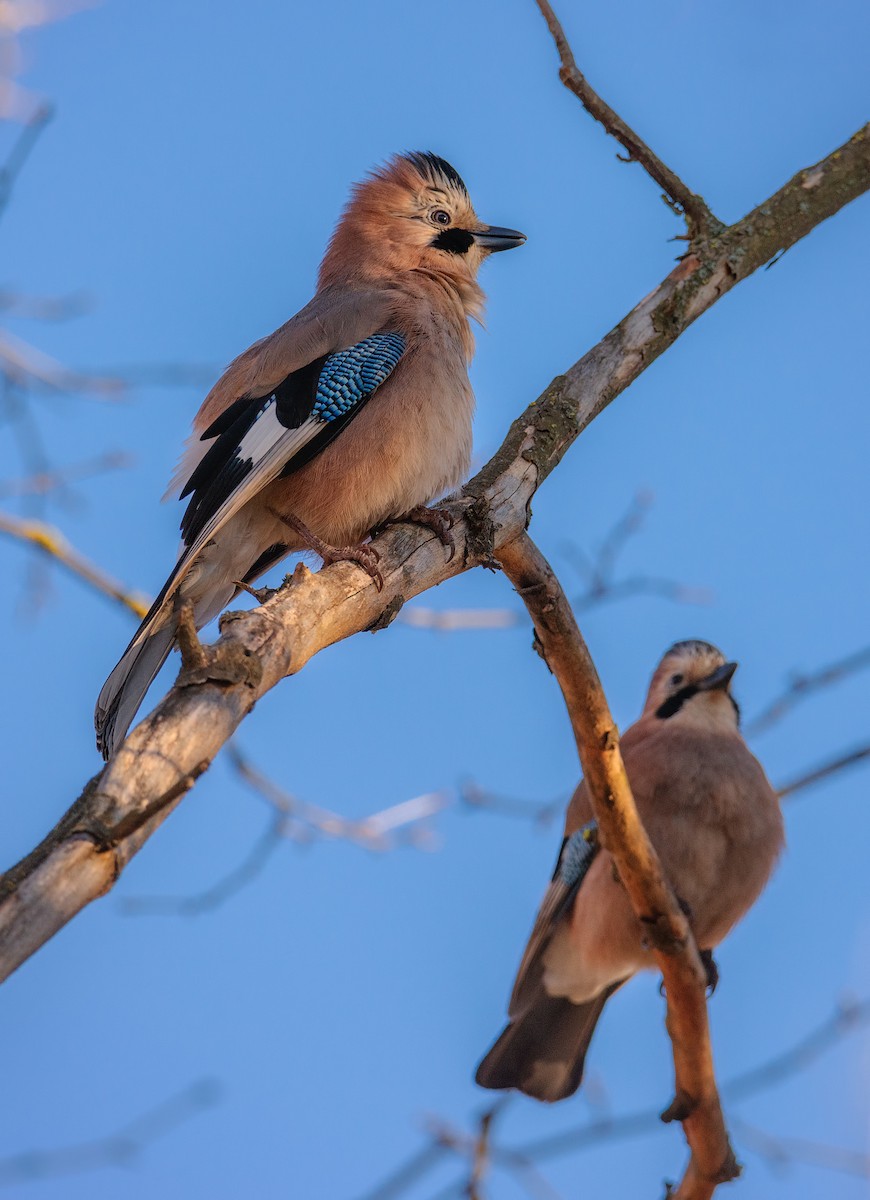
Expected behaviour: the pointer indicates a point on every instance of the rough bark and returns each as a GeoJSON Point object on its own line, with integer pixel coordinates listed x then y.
{"type": "Point", "coordinates": [82, 857]}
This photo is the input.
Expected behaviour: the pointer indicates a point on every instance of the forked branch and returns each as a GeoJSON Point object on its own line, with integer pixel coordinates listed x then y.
{"type": "Point", "coordinates": [699, 220]}
{"type": "Point", "coordinates": [82, 857]}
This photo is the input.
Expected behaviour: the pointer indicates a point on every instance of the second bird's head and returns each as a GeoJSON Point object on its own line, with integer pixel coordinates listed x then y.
{"type": "Point", "coordinates": [692, 684]}
{"type": "Point", "coordinates": [412, 214]}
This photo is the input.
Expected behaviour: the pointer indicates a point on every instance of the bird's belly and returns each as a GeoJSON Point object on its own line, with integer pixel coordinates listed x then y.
{"type": "Point", "coordinates": [405, 448]}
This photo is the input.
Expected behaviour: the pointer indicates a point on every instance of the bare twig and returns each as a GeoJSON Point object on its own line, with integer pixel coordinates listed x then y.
{"type": "Point", "coordinates": [21, 151]}
{"type": "Point", "coordinates": [249, 869]}
{"type": "Point", "coordinates": [259, 648]}
{"type": "Point", "coordinates": [25, 363]}
{"type": "Point", "coordinates": [296, 820]}
{"type": "Point", "coordinates": [50, 541]}
{"type": "Point", "coordinates": [448, 620]}
{"type": "Point", "coordinates": [380, 831]}
{"type": "Point", "coordinates": [699, 220]}
{"type": "Point", "coordinates": [538, 811]}
{"type": "Point", "coordinates": [43, 308]}
{"type": "Point", "coordinates": [781, 1152]}
{"type": "Point", "coordinates": [801, 685]}
{"type": "Point", "coordinates": [697, 1103]}
{"type": "Point", "coordinates": [847, 1019]}
{"type": "Point", "coordinates": [824, 771]}
{"type": "Point", "coordinates": [59, 479]}
{"type": "Point", "coordinates": [119, 1149]}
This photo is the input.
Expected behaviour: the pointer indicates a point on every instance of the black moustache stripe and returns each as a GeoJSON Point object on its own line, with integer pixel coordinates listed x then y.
{"type": "Point", "coordinates": [456, 241]}
{"type": "Point", "coordinates": [674, 703]}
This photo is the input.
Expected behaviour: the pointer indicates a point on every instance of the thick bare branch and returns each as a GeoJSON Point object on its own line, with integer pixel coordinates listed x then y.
{"type": "Point", "coordinates": [699, 219]}
{"type": "Point", "coordinates": [83, 856]}
{"type": "Point", "coordinates": [564, 650]}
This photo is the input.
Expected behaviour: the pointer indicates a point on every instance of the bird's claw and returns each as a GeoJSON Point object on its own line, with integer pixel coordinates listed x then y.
{"type": "Point", "coordinates": [364, 556]}
{"type": "Point", "coordinates": [439, 520]}
{"type": "Point", "coordinates": [711, 970]}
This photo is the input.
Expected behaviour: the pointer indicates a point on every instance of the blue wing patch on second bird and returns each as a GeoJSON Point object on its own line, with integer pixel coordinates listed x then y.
{"type": "Point", "coordinates": [577, 855]}
{"type": "Point", "coordinates": [329, 392]}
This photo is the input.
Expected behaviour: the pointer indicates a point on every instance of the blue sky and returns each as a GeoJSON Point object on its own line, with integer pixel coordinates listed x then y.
{"type": "Point", "coordinates": [198, 159]}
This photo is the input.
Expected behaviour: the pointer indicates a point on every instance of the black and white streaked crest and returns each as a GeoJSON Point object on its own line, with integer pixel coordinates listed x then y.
{"type": "Point", "coordinates": [436, 170]}
{"type": "Point", "coordinates": [695, 648]}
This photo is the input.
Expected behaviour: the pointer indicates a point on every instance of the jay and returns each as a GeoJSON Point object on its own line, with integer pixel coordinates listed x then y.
{"type": "Point", "coordinates": [355, 413]}
{"type": "Point", "coordinates": [716, 825]}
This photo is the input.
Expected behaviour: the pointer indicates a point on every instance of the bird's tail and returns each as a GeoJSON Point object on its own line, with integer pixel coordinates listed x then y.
{"type": "Point", "coordinates": [125, 689]}
{"type": "Point", "coordinates": [542, 1051]}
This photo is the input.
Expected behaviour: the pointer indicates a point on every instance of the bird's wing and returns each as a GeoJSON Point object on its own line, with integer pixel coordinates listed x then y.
{"type": "Point", "coordinates": [256, 440]}
{"type": "Point", "coordinates": [575, 859]}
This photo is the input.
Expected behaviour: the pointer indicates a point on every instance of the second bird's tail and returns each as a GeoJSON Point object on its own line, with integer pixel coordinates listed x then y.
{"type": "Point", "coordinates": [542, 1052]}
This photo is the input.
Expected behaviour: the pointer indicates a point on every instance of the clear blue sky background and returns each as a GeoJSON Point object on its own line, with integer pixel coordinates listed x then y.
{"type": "Point", "coordinates": [199, 158]}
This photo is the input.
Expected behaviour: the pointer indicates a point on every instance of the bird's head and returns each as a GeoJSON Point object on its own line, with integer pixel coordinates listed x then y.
{"type": "Point", "coordinates": [692, 685]}
{"type": "Point", "coordinates": [413, 214]}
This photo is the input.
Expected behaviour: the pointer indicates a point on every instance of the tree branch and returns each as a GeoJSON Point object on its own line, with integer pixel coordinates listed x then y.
{"type": "Point", "coordinates": [803, 684]}
{"type": "Point", "coordinates": [699, 220]}
{"type": "Point", "coordinates": [83, 856]}
{"type": "Point", "coordinates": [847, 1018]}
{"type": "Point", "coordinates": [50, 541]}
{"type": "Point", "coordinates": [563, 649]}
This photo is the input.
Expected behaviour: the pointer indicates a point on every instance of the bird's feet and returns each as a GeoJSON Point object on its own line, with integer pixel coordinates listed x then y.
{"type": "Point", "coordinates": [439, 520]}
{"type": "Point", "coordinates": [711, 969]}
{"type": "Point", "coordinates": [364, 556]}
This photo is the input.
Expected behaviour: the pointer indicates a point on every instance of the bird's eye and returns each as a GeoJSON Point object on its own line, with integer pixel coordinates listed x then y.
{"type": "Point", "coordinates": [440, 217]}
{"type": "Point", "coordinates": [676, 680]}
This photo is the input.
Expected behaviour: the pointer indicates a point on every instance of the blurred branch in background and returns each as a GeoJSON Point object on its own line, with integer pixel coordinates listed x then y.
{"type": "Point", "coordinates": [403, 824]}
{"type": "Point", "coordinates": [598, 571]}
{"type": "Point", "coordinates": [50, 542]}
{"type": "Point", "coordinates": [16, 102]}
{"type": "Point", "coordinates": [59, 479]}
{"type": "Point", "coordinates": [782, 1152]}
{"type": "Point", "coordinates": [802, 685]}
{"type": "Point", "coordinates": [848, 1018]}
{"type": "Point", "coordinates": [120, 1149]}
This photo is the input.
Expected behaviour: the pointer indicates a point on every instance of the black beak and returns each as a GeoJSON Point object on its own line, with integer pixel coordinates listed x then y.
{"type": "Point", "coordinates": [493, 238]}
{"type": "Point", "coordinates": [719, 679]}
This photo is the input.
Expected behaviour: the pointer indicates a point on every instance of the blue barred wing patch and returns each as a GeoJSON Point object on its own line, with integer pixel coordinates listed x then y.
{"type": "Point", "coordinates": [351, 375]}
{"type": "Point", "coordinates": [577, 855]}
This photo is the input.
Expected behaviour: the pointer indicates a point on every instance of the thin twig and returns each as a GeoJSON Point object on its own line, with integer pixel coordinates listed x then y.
{"type": "Point", "coordinates": [782, 1151]}
{"type": "Point", "coordinates": [50, 541]}
{"type": "Point", "coordinates": [119, 1149]}
{"type": "Point", "coordinates": [192, 723]}
{"type": "Point", "coordinates": [804, 684]}
{"type": "Point", "coordinates": [847, 1019]}
{"type": "Point", "coordinates": [21, 151]}
{"type": "Point", "coordinates": [699, 220]}
{"type": "Point", "coordinates": [697, 1103]}
{"type": "Point", "coordinates": [379, 831]}
{"type": "Point", "coordinates": [40, 483]}
{"type": "Point", "coordinates": [824, 771]}
{"type": "Point", "coordinates": [24, 362]}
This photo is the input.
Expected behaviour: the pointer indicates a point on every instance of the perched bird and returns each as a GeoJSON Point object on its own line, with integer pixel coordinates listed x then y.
{"type": "Point", "coordinates": [716, 824]}
{"type": "Point", "coordinates": [356, 412]}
